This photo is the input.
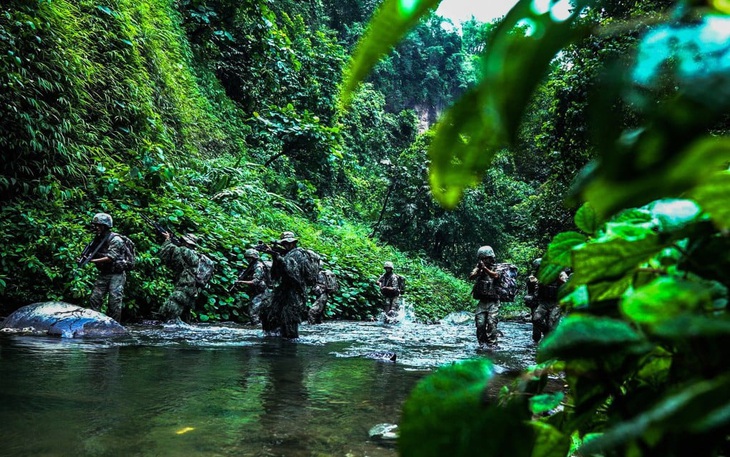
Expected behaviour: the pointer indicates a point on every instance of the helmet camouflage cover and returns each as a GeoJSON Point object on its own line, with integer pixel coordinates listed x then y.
{"type": "Point", "coordinates": [251, 253]}
{"type": "Point", "coordinates": [388, 265]}
{"type": "Point", "coordinates": [102, 219]}
{"type": "Point", "coordinates": [485, 251]}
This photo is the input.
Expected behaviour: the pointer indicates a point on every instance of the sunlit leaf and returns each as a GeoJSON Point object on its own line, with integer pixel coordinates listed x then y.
{"type": "Point", "coordinates": [392, 20]}
{"type": "Point", "coordinates": [545, 402]}
{"type": "Point", "coordinates": [579, 336]}
{"type": "Point", "coordinates": [663, 299]}
{"type": "Point", "coordinates": [487, 117]}
{"type": "Point", "coordinates": [586, 219]}
{"type": "Point", "coordinates": [714, 195]}
{"type": "Point", "coordinates": [611, 259]}
{"type": "Point", "coordinates": [558, 255]}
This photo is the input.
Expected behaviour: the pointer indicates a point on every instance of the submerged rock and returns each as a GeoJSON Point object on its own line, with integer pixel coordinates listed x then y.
{"type": "Point", "coordinates": [458, 318]}
{"type": "Point", "coordinates": [384, 432]}
{"type": "Point", "coordinates": [384, 356]}
{"type": "Point", "coordinates": [61, 319]}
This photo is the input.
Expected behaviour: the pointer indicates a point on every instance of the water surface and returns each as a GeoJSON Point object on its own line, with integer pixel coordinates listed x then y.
{"type": "Point", "coordinates": [224, 390]}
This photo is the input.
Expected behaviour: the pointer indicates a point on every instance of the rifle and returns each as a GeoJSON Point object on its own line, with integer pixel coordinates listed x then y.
{"type": "Point", "coordinates": [240, 277]}
{"type": "Point", "coordinates": [271, 248]}
{"type": "Point", "coordinates": [162, 230]}
{"type": "Point", "coordinates": [91, 249]}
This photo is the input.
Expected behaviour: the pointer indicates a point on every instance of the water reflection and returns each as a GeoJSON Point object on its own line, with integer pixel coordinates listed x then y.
{"type": "Point", "coordinates": [220, 390]}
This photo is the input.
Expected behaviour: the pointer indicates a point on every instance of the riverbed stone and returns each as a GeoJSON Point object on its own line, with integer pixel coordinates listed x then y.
{"type": "Point", "coordinates": [57, 318]}
{"type": "Point", "coordinates": [384, 432]}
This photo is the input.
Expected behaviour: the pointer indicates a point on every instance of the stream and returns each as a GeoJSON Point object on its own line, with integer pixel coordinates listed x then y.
{"type": "Point", "coordinates": [226, 390]}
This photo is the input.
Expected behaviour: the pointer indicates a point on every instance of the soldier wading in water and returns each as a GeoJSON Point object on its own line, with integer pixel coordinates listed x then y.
{"type": "Point", "coordinates": [542, 299]}
{"type": "Point", "coordinates": [294, 271]}
{"type": "Point", "coordinates": [106, 248]}
{"type": "Point", "coordinates": [257, 279]}
{"type": "Point", "coordinates": [485, 290]}
{"type": "Point", "coordinates": [183, 261]}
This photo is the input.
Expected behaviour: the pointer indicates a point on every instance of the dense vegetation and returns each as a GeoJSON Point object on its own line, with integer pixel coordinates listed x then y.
{"type": "Point", "coordinates": [220, 118]}
{"type": "Point", "coordinates": [643, 348]}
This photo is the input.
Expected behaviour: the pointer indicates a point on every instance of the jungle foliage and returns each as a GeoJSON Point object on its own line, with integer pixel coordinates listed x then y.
{"type": "Point", "coordinates": [643, 347]}
{"type": "Point", "coordinates": [216, 117]}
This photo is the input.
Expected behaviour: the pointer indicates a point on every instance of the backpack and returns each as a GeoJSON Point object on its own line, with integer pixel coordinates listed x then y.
{"type": "Point", "coordinates": [206, 268]}
{"type": "Point", "coordinates": [129, 255]}
{"type": "Point", "coordinates": [401, 284]}
{"type": "Point", "coordinates": [267, 272]}
{"type": "Point", "coordinates": [310, 268]}
{"type": "Point", "coordinates": [330, 281]}
{"type": "Point", "coordinates": [506, 285]}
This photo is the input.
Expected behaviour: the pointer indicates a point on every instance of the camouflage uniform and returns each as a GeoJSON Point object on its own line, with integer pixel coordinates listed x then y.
{"type": "Point", "coordinates": [108, 281]}
{"type": "Point", "coordinates": [183, 261]}
{"type": "Point", "coordinates": [486, 316]}
{"type": "Point", "coordinates": [544, 305]}
{"type": "Point", "coordinates": [290, 273]}
{"type": "Point", "coordinates": [392, 297]}
{"type": "Point", "coordinates": [258, 291]}
{"type": "Point", "coordinates": [322, 292]}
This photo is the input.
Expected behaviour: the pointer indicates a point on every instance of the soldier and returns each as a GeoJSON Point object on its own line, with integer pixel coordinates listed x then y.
{"type": "Point", "coordinates": [543, 302]}
{"type": "Point", "coordinates": [109, 248]}
{"type": "Point", "coordinates": [183, 261]}
{"type": "Point", "coordinates": [391, 286]}
{"type": "Point", "coordinates": [485, 290]}
{"type": "Point", "coordinates": [326, 286]}
{"type": "Point", "coordinates": [293, 272]}
{"type": "Point", "coordinates": [257, 277]}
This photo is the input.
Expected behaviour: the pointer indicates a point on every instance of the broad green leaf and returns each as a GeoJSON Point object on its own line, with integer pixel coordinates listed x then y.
{"type": "Point", "coordinates": [609, 290]}
{"type": "Point", "coordinates": [612, 259]}
{"type": "Point", "coordinates": [586, 219]}
{"type": "Point", "coordinates": [558, 255]}
{"type": "Point", "coordinates": [545, 402]}
{"type": "Point", "coordinates": [583, 336]}
{"type": "Point", "coordinates": [446, 414]}
{"type": "Point", "coordinates": [688, 326]}
{"type": "Point", "coordinates": [663, 299]}
{"type": "Point", "coordinates": [549, 441]}
{"type": "Point", "coordinates": [487, 117]}
{"type": "Point", "coordinates": [714, 195]}
{"type": "Point", "coordinates": [392, 20]}
{"type": "Point", "coordinates": [690, 408]}
{"type": "Point", "coordinates": [562, 245]}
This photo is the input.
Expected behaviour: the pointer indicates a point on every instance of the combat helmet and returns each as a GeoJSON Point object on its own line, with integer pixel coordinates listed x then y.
{"type": "Point", "coordinates": [485, 251]}
{"type": "Point", "coordinates": [251, 254]}
{"type": "Point", "coordinates": [190, 239]}
{"type": "Point", "coordinates": [102, 219]}
{"type": "Point", "coordinates": [289, 237]}
{"type": "Point", "coordinates": [536, 263]}
{"type": "Point", "coordinates": [388, 265]}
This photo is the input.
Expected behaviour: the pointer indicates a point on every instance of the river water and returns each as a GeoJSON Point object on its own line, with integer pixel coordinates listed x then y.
{"type": "Point", "coordinates": [225, 390]}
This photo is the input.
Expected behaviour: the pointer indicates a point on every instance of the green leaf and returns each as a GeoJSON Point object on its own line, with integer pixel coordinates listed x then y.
{"type": "Point", "coordinates": [686, 327]}
{"type": "Point", "coordinates": [558, 255]}
{"type": "Point", "coordinates": [609, 290]}
{"type": "Point", "coordinates": [549, 441]}
{"type": "Point", "coordinates": [714, 195]}
{"type": "Point", "coordinates": [663, 299]}
{"type": "Point", "coordinates": [586, 219]}
{"type": "Point", "coordinates": [545, 402]}
{"type": "Point", "coordinates": [699, 407]}
{"type": "Point", "coordinates": [613, 258]}
{"type": "Point", "coordinates": [446, 414]}
{"type": "Point", "coordinates": [487, 117]}
{"type": "Point", "coordinates": [388, 25]}
{"type": "Point", "coordinates": [582, 336]}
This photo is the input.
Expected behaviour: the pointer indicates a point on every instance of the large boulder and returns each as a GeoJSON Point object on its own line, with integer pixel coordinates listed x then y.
{"type": "Point", "coordinates": [62, 319]}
